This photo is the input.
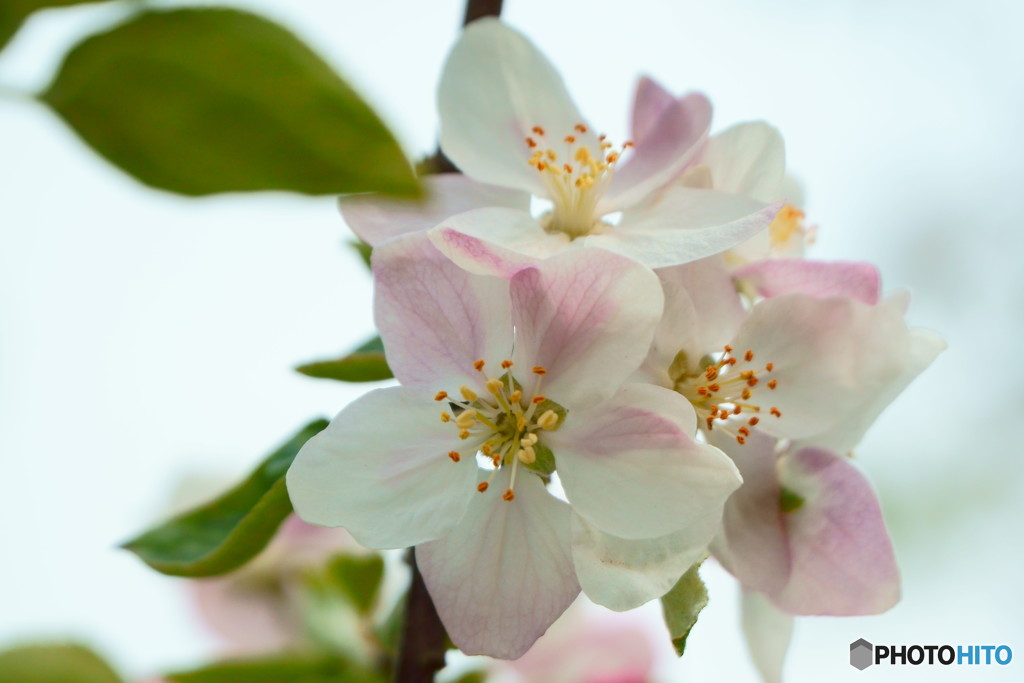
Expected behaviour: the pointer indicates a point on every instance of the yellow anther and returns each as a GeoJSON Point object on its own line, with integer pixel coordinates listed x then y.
{"type": "Point", "coordinates": [583, 156]}
{"type": "Point", "coordinates": [516, 396]}
{"type": "Point", "coordinates": [464, 435]}
{"type": "Point", "coordinates": [528, 440]}
{"type": "Point", "coordinates": [527, 456]}
{"type": "Point", "coordinates": [486, 449]}
{"type": "Point", "coordinates": [549, 420]}
{"type": "Point", "coordinates": [445, 417]}
{"type": "Point", "coordinates": [495, 386]}
{"type": "Point", "coordinates": [550, 154]}
{"type": "Point", "coordinates": [466, 419]}
{"type": "Point", "coordinates": [520, 423]}
{"type": "Point", "coordinates": [468, 393]}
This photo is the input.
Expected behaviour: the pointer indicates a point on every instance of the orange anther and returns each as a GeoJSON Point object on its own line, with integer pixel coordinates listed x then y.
{"type": "Point", "coordinates": [728, 349]}
{"type": "Point", "coordinates": [538, 399]}
{"type": "Point", "coordinates": [753, 421]}
{"type": "Point", "coordinates": [539, 370]}
{"type": "Point", "coordinates": [454, 455]}
{"type": "Point", "coordinates": [776, 412]}
{"type": "Point", "coordinates": [773, 383]}
{"type": "Point", "coordinates": [509, 495]}
{"type": "Point", "coordinates": [506, 364]}
{"type": "Point", "coordinates": [531, 143]}
{"type": "Point", "coordinates": [541, 166]}
{"type": "Point", "coordinates": [744, 431]}
{"type": "Point", "coordinates": [731, 361]}
{"type": "Point", "coordinates": [748, 356]}
{"type": "Point", "coordinates": [714, 387]}
{"type": "Point", "coordinates": [737, 410]}
{"type": "Point", "coordinates": [482, 486]}
{"type": "Point", "coordinates": [602, 137]}
{"type": "Point", "coordinates": [479, 365]}
{"type": "Point", "coordinates": [570, 139]}
{"type": "Point", "coordinates": [752, 382]}
{"type": "Point", "coordinates": [441, 395]}
{"type": "Point", "coordinates": [769, 366]}
{"type": "Point", "coordinates": [538, 130]}
{"type": "Point", "coordinates": [580, 128]}
{"type": "Point", "coordinates": [627, 144]}
{"type": "Point", "coordinates": [612, 158]}
{"type": "Point", "coordinates": [711, 422]}
{"type": "Point", "coordinates": [567, 167]}
{"type": "Point", "coordinates": [740, 440]}
{"type": "Point", "coordinates": [745, 394]}
{"type": "Point", "coordinates": [711, 373]}
{"type": "Point", "coordinates": [703, 391]}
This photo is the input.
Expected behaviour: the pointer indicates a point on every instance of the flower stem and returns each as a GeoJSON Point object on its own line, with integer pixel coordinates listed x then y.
{"type": "Point", "coordinates": [423, 646]}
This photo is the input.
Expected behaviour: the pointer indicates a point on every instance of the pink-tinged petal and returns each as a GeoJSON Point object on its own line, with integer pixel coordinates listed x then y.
{"type": "Point", "coordinates": [747, 159]}
{"type": "Point", "coordinates": [650, 99]}
{"type": "Point", "coordinates": [702, 313]}
{"type": "Point", "coordinates": [622, 574]}
{"type": "Point", "coordinates": [674, 140]}
{"type": "Point", "coordinates": [843, 562]}
{"type": "Point", "coordinates": [496, 241]}
{"type": "Point", "coordinates": [587, 316]}
{"type": "Point", "coordinates": [630, 467]}
{"type": "Point", "coordinates": [376, 219]}
{"type": "Point", "coordinates": [772, 277]}
{"type": "Point", "coordinates": [837, 362]}
{"type": "Point", "coordinates": [752, 544]}
{"type": "Point", "coordinates": [381, 470]}
{"type": "Point", "coordinates": [767, 632]}
{"type": "Point", "coordinates": [495, 87]}
{"type": "Point", "coordinates": [505, 574]}
{"type": "Point", "coordinates": [436, 319]}
{"type": "Point", "coordinates": [686, 224]}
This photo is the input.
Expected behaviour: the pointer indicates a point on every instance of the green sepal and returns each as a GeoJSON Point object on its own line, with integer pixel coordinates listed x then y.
{"type": "Point", "coordinates": [681, 606]}
{"type": "Point", "coordinates": [365, 364]}
{"type": "Point", "coordinates": [63, 663]}
{"type": "Point", "coordinates": [545, 462]}
{"type": "Point", "coordinates": [230, 530]}
{"type": "Point", "coordinates": [790, 501]}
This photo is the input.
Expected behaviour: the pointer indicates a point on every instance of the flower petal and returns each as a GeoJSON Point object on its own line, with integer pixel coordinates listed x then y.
{"type": "Point", "coordinates": [625, 573]}
{"type": "Point", "coordinates": [838, 363]}
{"type": "Point", "coordinates": [505, 574]}
{"type": "Point", "coordinates": [381, 470]}
{"type": "Point", "coordinates": [753, 544]}
{"type": "Point", "coordinates": [747, 159]}
{"type": "Point", "coordinates": [772, 277]}
{"type": "Point", "coordinates": [674, 140]}
{"type": "Point", "coordinates": [376, 219]}
{"type": "Point", "coordinates": [630, 467]}
{"type": "Point", "coordinates": [436, 319]}
{"type": "Point", "coordinates": [843, 562]}
{"type": "Point", "coordinates": [767, 632]}
{"type": "Point", "coordinates": [650, 99]}
{"type": "Point", "coordinates": [587, 316]}
{"type": "Point", "coordinates": [496, 86]}
{"type": "Point", "coordinates": [496, 241]}
{"type": "Point", "coordinates": [686, 224]}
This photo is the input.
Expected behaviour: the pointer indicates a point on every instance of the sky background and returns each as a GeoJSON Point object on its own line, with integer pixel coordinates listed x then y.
{"type": "Point", "coordinates": [146, 337]}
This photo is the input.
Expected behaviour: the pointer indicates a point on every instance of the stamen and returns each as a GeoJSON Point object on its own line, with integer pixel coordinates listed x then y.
{"type": "Point", "coordinates": [509, 495]}
{"type": "Point", "coordinates": [445, 417]}
{"type": "Point", "coordinates": [776, 412]}
{"type": "Point", "coordinates": [539, 370]}
{"type": "Point", "coordinates": [441, 395]}
{"type": "Point", "coordinates": [482, 486]}
{"type": "Point", "coordinates": [454, 455]}
{"type": "Point", "coordinates": [549, 420]}
{"type": "Point", "coordinates": [468, 393]}
{"type": "Point", "coordinates": [538, 399]}
{"type": "Point", "coordinates": [479, 365]}
{"type": "Point", "coordinates": [495, 386]}
{"type": "Point", "coordinates": [506, 364]}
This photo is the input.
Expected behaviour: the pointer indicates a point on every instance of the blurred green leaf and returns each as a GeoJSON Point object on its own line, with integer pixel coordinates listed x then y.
{"type": "Point", "coordinates": [682, 605]}
{"type": "Point", "coordinates": [472, 677]}
{"type": "Point", "coordinates": [389, 633]}
{"type": "Point", "coordinates": [280, 669]}
{"type": "Point", "coordinates": [13, 13]}
{"type": "Point", "coordinates": [363, 249]}
{"type": "Point", "coordinates": [358, 578]}
{"type": "Point", "coordinates": [54, 664]}
{"type": "Point", "coordinates": [199, 101]}
{"type": "Point", "coordinates": [227, 532]}
{"type": "Point", "coordinates": [365, 364]}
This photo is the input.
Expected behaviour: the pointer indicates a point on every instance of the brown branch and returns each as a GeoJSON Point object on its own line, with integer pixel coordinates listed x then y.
{"type": "Point", "coordinates": [423, 641]}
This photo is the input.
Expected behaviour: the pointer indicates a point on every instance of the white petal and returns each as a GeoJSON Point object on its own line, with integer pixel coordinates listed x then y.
{"type": "Point", "coordinates": [381, 470]}
{"type": "Point", "coordinates": [376, 219]}
{"type": "Point", "coordinates": [496, 86]}
{"type": "Point", "coordinates": [650, 99]}
{"type": "Point", "coordinates": [436, 319]}
{"type": "Point", "coordinates": [747, 159]}
{"type": "Point", "coordinates": [630, 467]}
{"type": "Point", "coordinates": [622, 574]}
{"type": "Point", "coordinates": [767, 632]}
{"type": "Point", "coordinates": [496, 241]}
{"type": "Point", "coordinates": [686, 224]}
{"type": "Point", "coordinates": [588, 317]}
{"type": "Point", "coordinates": [505, 574]}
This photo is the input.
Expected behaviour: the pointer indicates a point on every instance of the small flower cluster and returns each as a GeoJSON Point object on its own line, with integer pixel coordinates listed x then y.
{"type": "Point", "coordinates": [596, 395]}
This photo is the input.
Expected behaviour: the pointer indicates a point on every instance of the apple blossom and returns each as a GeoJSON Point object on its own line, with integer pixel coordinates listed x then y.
{"type": "Point", "coordinates": [503, 382]}
{"type": "Point", "coordinates": [509, 125]}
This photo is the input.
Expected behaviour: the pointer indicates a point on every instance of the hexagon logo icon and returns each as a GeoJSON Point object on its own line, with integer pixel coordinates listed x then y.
{"type": "Point", "coordinates": [861, 654]}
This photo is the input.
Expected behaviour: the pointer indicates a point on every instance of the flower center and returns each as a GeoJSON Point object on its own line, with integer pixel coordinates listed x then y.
{"type": "Point", "coordinates": [575, 176]}
{"type": "Point", "coordinates": [505, 425]}
{"type": "Point", "coordinates": [727, 389]}
{"type": "Point", "coordinates": [787, 227]}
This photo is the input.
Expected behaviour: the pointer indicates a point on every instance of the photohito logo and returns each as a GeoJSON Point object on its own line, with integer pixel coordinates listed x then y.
{"type": "Point", "coordinates": [863, 654]}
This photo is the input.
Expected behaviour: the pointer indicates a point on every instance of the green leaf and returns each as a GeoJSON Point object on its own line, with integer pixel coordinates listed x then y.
{"type": "Point", "coordinates": [682, 604]}
{"type": "Point", "coordinates": [358, 578]}
{"type": "Point", "coordinates": [280, 669]}
{"type": "Point", "coordinates": [365, 364]}
{"type": "Point", "coordinates": [229, 531]}
{"type": "Point", "coordinates": [472, 677]}
{"type": "Point", "coordinates": [54, 664]}
{"type": "Point", "coordinates": [364, 250]}
{"type": "Point", "coordinates": [200, 101]}
{"type": "Point", "coordinates": [13, 13]}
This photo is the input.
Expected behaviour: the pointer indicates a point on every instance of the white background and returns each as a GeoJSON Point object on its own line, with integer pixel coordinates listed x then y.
{"type": "Point", "coordinates": [144, 337]}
